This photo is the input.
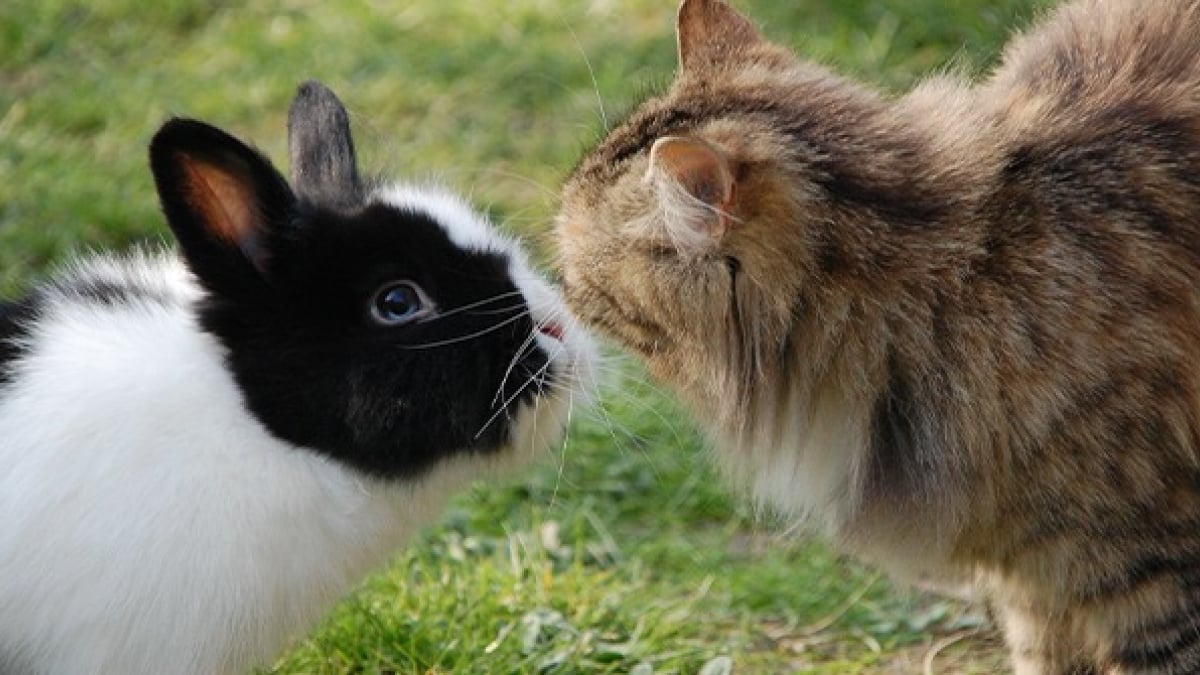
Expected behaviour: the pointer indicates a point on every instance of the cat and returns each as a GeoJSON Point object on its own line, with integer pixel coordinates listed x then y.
{"type": "Point", "coordinates": [955, 330]}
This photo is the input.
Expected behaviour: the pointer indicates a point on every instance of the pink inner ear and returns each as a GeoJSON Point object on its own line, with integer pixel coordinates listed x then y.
{"type": "Point", "coordinates": [698, 167]}
{"type": "Point", "coordinates": [696, 191]}
{"type": "Point", "coordinates": [224, 200]}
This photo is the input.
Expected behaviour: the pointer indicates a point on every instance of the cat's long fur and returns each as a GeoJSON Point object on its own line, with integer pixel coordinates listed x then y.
{"type": "Point", "coordinates": [959, 328]}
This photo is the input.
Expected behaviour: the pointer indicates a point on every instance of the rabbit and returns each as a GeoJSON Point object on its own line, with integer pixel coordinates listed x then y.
{"type": "Point", "coordinates": [201, 451]}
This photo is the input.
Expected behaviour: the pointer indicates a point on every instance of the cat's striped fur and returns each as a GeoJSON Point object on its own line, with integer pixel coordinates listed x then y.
{"type": "Point", "coordinates": [960, 328]}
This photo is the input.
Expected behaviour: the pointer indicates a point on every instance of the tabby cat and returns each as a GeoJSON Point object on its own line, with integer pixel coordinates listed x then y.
{"type": "Point", "coordinates": [959, 329]}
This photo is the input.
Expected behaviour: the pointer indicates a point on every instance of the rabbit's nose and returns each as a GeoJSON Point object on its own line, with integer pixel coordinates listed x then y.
{"type": "Point", "coordinates": [552, 329]}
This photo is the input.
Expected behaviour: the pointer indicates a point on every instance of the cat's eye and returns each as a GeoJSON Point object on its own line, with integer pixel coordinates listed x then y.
{"type": "Point", "coordinates": [399, 303]}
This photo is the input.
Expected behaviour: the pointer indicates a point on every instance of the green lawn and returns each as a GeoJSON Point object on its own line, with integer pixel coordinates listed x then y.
{"type": "Point", "coordinates": [622, 553]}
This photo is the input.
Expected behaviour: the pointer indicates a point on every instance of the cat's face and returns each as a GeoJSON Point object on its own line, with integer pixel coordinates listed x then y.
{"type": "Point", "coordinates": [669, 235]}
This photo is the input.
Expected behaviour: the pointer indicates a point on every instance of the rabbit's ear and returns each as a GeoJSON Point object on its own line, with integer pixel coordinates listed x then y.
{"type": "Point", "coordinates": [221, 199]}
{"type": "Point", "coordinates": [324, 169]}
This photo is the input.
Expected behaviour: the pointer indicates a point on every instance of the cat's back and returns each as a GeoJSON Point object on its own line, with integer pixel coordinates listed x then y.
{"type": "Point", "coordinates": [1087, 55]}
{"type": "Point", "coordinates": [1094, 121]}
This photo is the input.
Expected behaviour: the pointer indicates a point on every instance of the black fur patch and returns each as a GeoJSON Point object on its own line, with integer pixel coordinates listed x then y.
{"type": "Point", "coordinates": [109, 293]}
{"type": "Point", "coordinates": [15, 320]}
{"type": "Point", "coordinates": [901, 442]}
{"type": "Point", "coordinates": [1168, 646]}
{"type": "Point", "coordinates": [291, 285]}
{"type": "Point", "coordinates": [390, 401]}
{"type": "Point", "coordinates": [17, 317]}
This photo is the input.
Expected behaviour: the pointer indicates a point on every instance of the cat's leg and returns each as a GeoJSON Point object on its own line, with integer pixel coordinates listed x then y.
{"type": "Point", "coordinates": [1039, 642]}
{"type": "Point", "coordinates": [1151, 630]}
{"type": "Point", "coordinates": [1155, 631]}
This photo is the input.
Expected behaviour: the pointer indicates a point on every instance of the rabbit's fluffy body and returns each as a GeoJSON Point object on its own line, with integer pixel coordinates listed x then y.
{"type": "Point", "coordinates": [154, 520]}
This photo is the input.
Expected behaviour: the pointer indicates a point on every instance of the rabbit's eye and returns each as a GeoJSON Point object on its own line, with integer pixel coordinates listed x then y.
{"type": "Point", "coordinates": [398, 303]}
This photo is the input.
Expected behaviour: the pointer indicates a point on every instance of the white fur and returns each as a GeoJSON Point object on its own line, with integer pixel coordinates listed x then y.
{"type": "Point", "coordinates": [465, 228]}
{"type": "Point", "coordinates": [692, 226]}
{"type": "Point", "coordinates": [148, 524]}
{"type": "Point", "coordinates": [805, 464]}
{"type": "Point", "coordinates": [809, 467]}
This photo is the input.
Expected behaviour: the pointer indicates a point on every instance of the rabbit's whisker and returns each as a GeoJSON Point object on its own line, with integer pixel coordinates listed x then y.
{"type": "Point", "coordinates": [480, 303]}
{"type": "Point", "coordinates": [522, 353]}
{"type": "Point", "coordinates": [469, 336]}
{"type": "Point", "coordinates": [508, 401]}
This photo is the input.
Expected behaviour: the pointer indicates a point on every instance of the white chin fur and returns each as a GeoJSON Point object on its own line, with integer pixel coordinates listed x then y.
{"type": "Point", "coordinates": [805, 466]}
{"type": "Point", "coordinates": [192, 541]}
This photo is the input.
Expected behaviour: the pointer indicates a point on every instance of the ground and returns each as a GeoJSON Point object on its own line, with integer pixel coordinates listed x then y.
{"type": "Point", "coordinates": [622, 551]}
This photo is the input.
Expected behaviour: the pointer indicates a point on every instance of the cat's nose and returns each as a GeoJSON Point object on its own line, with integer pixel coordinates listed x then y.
{"type": "Point", "coordinates": [552, 329]}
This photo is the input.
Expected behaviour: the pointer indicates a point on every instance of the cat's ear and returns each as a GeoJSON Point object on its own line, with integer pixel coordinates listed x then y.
{"type": "Point", "coordinates": [696, 189]}
{"type": "Point", "coordinates": [711, 32]}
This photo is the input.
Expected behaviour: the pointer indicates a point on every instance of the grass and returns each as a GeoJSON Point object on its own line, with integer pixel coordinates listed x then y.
{"type": "Point", "coordinates": [622, 553]}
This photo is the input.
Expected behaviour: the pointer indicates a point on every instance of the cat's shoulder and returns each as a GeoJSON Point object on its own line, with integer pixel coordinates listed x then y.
{"type": "Point", "coordinates": [1106, 49]}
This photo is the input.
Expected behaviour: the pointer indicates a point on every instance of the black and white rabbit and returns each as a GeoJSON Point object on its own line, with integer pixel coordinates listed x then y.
{"type": "Point", "coordinates": [199, 453]}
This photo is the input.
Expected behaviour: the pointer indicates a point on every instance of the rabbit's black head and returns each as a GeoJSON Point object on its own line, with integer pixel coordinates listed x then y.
{"type": "Point", "coordinates": [387, 328]}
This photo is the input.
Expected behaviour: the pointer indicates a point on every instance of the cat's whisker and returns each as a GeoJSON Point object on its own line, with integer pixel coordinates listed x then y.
{"type": "Point", "coordinates": [605, 368]}
{"type": "Point", "coordinates": [591, 72]}
{"type": "Point", "coordinates": [628, 440]}
{"type": "Point", "coordinates": [595, 83]}
{"type": "Point", "coordinates": [546, 190]}
{"type": "Point", "coordinates": [562, 458]}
